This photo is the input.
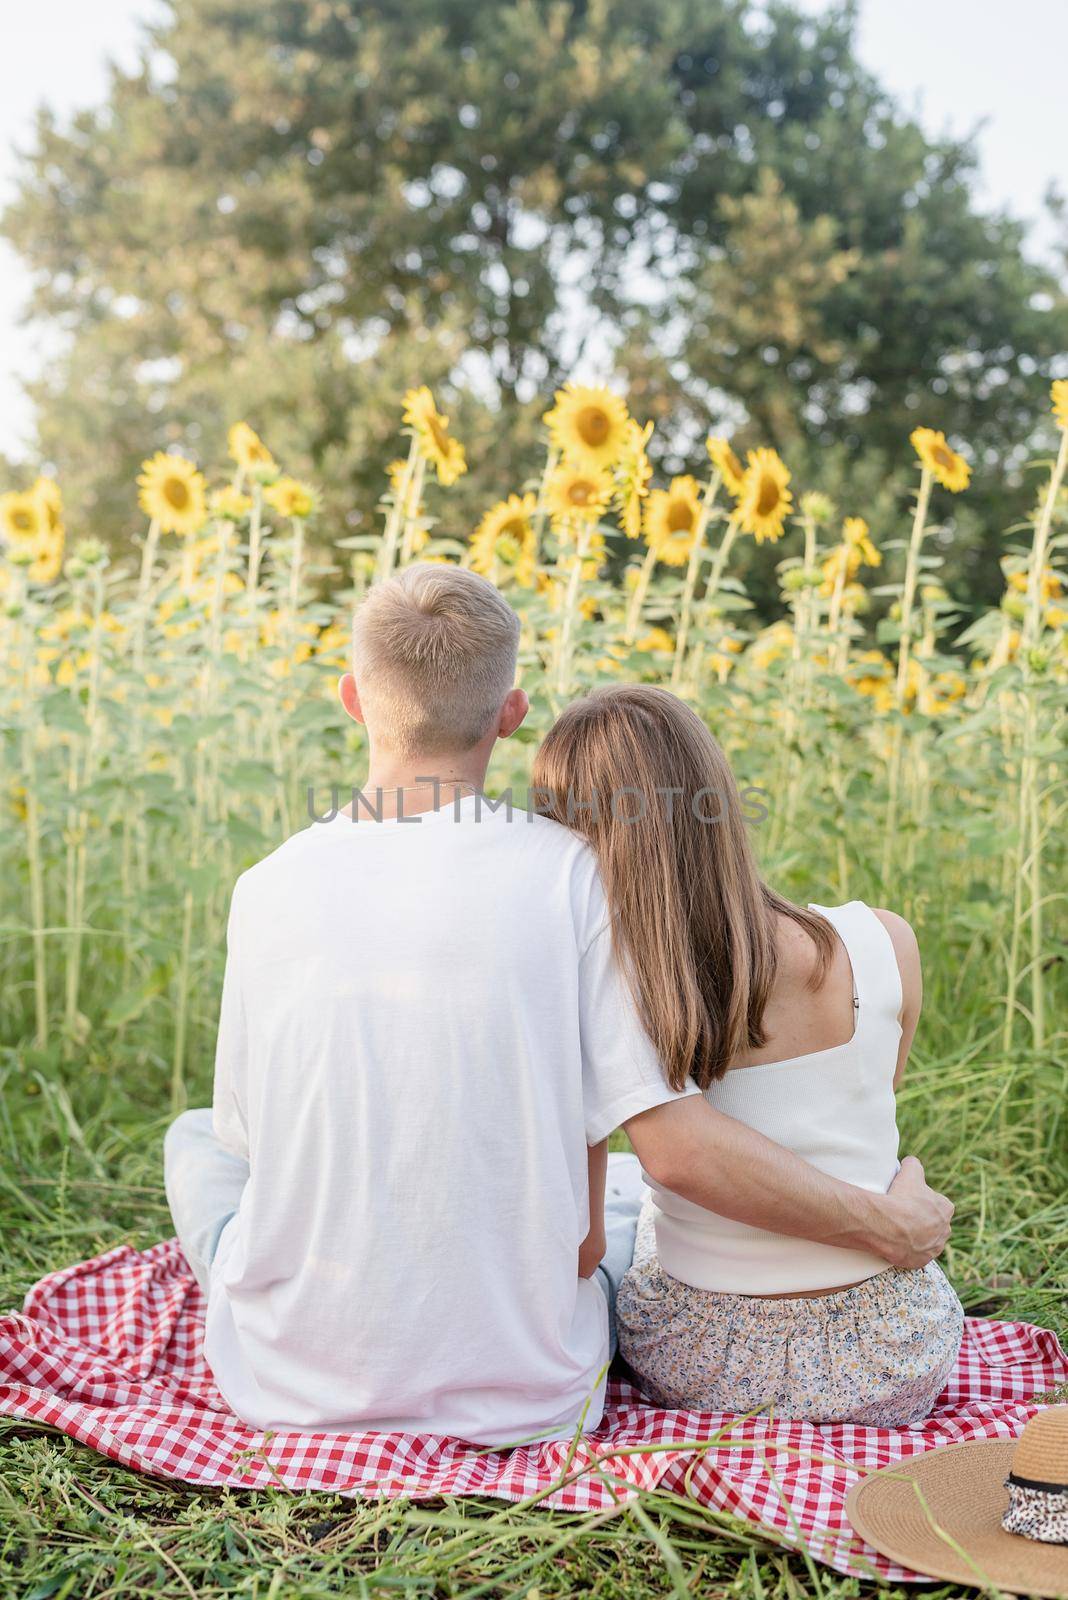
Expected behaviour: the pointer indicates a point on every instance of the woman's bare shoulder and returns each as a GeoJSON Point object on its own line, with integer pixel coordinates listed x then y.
{"type": "Point", "coordinates": [907, 950]}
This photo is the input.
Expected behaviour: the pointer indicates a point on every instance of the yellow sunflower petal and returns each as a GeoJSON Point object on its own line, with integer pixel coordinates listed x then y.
{"type": "Point", "coordinates": [765, 501]}
{"type": "Point", "coordinates": [247, 448]}
{"type": "Point", "coordinates": [290, 498]}
{"type": "Point", "coordinates": [726, 464]}
{"type": "Point", "coordinates": [1058, 394]}
{"type": "Point", "coordinates": [22, 517]}
{"type": "Point", "coordinates": [671, 518]}
{"type": "Point", "coordinates": [576, 492]}
{"type": "Point", "coordinates": [948, 468]}
{"type": "Point", "coordinates": [504, 543]}
{"type": "Point", "coordinates": [172, 493]}
{"type": "Point", "coordinates": [431, 430]}
{"type": "Point", "coordinates": [588, 426]}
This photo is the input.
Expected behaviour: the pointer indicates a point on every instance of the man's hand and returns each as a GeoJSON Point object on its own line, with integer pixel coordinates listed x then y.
{"type": "Point", "coordinates": [917, 1218]}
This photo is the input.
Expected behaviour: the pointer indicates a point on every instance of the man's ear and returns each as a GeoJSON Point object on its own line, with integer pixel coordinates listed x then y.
{"type": "Point", "coordinates": [349, 696]}
{"type": "Point", "coordinates": [513, 712]}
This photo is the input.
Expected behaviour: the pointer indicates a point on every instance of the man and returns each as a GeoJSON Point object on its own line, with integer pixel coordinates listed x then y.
{"type": "Point", "coordinates": [424, 1034]}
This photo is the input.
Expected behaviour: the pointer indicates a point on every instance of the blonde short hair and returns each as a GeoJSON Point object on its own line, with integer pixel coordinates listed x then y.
{"type": "Point", "coordinates": [434, 656]}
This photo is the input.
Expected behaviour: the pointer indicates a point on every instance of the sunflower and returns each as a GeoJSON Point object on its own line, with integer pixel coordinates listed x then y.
{"type": "Point", "coordinates": [632, 473]}
{"type": "Point", "coordinates": [172, 493]}
{"type": "Point", "coordinates": [765, 500]}
{"type": "Point", "coordinates": [818, 506]}
{"type": "Point", "coordinates": [726, 464]}
{"type": "Point", "coordinates": [505, 542]}
{"type": "Point", "coordinates": [48, 493]}
{"type": "Point", "coordinates": [1050, 585]}
{"type": "Point", "coordinates": [229, 504]}
{"type": "Point", "coordinates": [771, 645]}
{"type": "Point", "coordinates": [656, 641]}
{"type": "Point", "coordinates": [247, 448]}
{"type": "Point", "coordinates": [577, 492]}
{"type": "Point", "coordinates": [431, 430]}
{"type": "Point", "coordinates": [857, 537]}
{"type": "Point", "coordinates": [22, 517]}
{"type": "Point", "coordinates": [841, 564]}
{"type": "Point", "coordinates": [948, 468]}
{"type": "Point", "coordinates": [291, 498]}
{"type": "Point", "coordinates": [47, 561]}
{"type": "Point", "coordinates": [671, 518]}
{"type": "Point", "coordinates": [588, 426]}
{"type": "Point", "coordinates": [871, 673]}
{"type": "Point", "coordinates": [722, 658]}
{"type": "Point", "coordinates": [1058, 394]}
{"type": "Point", "coordinates": [940, 693]}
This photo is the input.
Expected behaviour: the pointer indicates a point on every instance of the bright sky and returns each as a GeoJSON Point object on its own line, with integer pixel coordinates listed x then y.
{"type": "Point", "coordinates": [961, 64]}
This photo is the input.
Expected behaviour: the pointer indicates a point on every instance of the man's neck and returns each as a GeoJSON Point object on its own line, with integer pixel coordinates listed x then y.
{"type": "Point", "coordinates": [409, 785]}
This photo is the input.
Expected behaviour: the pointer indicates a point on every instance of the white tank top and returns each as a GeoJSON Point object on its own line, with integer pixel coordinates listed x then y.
{"type": "Point", "coordinates": [834, 1108]}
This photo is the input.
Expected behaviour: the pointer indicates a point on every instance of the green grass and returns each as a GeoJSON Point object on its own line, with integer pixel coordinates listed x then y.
{"type": "Point", "coordinates": [80, 1172]}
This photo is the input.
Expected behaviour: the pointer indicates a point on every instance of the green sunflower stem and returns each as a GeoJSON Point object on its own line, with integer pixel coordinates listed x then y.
{"type": "Point", "coordinates": [692, 568]}
{"type": "Point", "coordinates": [571, 605]}
{"type": "Point", "coordinates": [82, 779]}
{"type": "Point", "coordinates": [1032, 627]}
{"type": "Point", "coordinates": [637, 599]}
{"type": "Point", "coordinates": [908, 593]}
{"type": "Point", "coordinates": [541, 509]}
{"type": "Point", "coordinates": [708, 601]}
{"type": "Point", "coordinates": [908, 600]}
{"type": "Point", "coordinates": [255, 541]}
{"type": "Point", "coordinates": [411, 512]}
{"type": "Point", "coordinates": [395, 517]}
{"type": "Point", "coordinates": [34, 860]}
{"type": "Point", "coordinates": [144, 585]}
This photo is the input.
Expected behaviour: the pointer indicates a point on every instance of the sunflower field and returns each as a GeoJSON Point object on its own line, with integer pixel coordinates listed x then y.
{"type": "Point", "coordinates": [168, 714]}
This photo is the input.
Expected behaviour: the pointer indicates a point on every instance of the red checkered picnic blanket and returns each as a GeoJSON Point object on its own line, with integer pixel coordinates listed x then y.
{"type": "Point", "coordinates": [109, 1352]}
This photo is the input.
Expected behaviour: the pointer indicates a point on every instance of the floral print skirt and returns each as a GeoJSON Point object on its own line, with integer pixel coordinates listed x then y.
{"type": "Point", "coordinates": [877, 1354]}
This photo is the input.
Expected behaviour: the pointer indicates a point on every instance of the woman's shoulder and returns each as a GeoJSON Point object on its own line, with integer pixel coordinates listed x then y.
{"type": "Point", "coordinates": [907, 952]}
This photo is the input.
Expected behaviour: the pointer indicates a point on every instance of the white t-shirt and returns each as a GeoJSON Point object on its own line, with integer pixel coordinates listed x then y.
{"type": "Point", "coordinates": [422, 1027]}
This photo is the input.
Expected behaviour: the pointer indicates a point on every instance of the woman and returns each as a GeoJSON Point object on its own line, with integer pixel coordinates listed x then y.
{"type": "Point", "coordinates": [796, 1021]}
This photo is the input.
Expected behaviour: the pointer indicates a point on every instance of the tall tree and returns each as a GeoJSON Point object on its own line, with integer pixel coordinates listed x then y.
{"type": "Point", "coordinates": [294, 209]}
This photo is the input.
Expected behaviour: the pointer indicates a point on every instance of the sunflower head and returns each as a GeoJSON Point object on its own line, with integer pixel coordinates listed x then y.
{"type": "Point", "coordinates": [229, 504]}
{"type": "Point", "coordinates": [172, 494]}
{"type": "Point", "coordinates": [247, 448]}
{"type": "Point", "coordinates": [765, 500]}
{"type": "Point", "coordinates": [726, 464]}
{"type": "Point", "coordinates": [47, 561]}
{"type": "Point", "coordinates": [290, 498]}
{"type": "Point", "coordinates": [49, 494]}
{"type": "Point", "coordinates": [504, 542]}
{"type": "Point", "coordinates": [431, 431]}
{"type": "Point", "coordinates": [818, 506]}
{"type": "Point", "coordinates": [838, 567]}
{"type": "Point", "coordinates": [579, 493]}
{"type": "Point", "coordinates": [671, 520]}
{"type": "Point", "coordinates": [632, 473]}
{"type": "Point", "coordinates": [588, 426]}
{"type": "Point", "coordinates": [856, 535]}
{"type": "Point", "coordinates": [774, 643]}
{"type": "Point", "coordinates": [938, 458]}
{"type": "Point", "coordinates": [1058, 394]}
{"type": "Point", "coordinates": [22, 518]}
{"type": "Point", "coordinates": [656, 642]}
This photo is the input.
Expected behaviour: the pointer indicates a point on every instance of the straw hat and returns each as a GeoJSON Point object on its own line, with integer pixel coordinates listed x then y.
{"type": "Point", "coordinates": [993, 1513]}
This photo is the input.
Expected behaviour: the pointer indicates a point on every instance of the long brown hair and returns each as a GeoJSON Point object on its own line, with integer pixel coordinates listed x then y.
{"type": "Point", "coordinates": [637, 773]}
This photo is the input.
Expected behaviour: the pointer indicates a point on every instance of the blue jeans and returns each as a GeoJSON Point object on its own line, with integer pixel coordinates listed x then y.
{"type": "Point", "coordinates": [204, 1184]}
